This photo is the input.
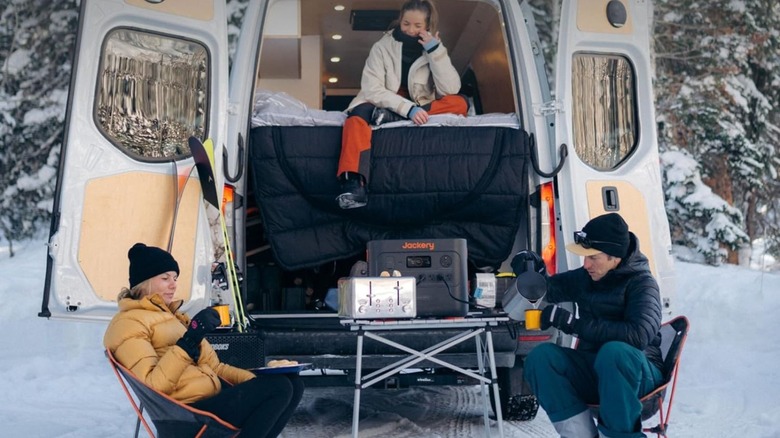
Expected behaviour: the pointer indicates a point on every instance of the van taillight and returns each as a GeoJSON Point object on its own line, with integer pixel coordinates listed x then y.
{"type": "Point", "coordinates": [228, 193]}
{"type": "Point", "coordinates": [534, 338]}
{"type": "Point", "coordinates": [227, 199]}
{"type": "Point", "coordinates": [547, 211]}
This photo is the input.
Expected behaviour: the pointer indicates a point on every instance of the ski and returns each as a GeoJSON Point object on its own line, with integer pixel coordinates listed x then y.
{"type": "Point", "coordinates": [181, 176]}
{"type": "Point", "coordinates": [203, 154]}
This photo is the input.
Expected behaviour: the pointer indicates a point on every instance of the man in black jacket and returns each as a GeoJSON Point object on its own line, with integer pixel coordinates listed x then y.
{"type": "Point", "coordinates": [617, 317]}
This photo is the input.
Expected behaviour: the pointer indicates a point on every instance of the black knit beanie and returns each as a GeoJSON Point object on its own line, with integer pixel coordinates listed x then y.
{"type": "Point", "coordinates": [607, 233]}
{"type": "Point", "coordinates": [149, 261]}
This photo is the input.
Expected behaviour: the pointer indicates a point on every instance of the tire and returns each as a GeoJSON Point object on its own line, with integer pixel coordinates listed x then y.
{"type": "Point", "coordinates": [517, 402]}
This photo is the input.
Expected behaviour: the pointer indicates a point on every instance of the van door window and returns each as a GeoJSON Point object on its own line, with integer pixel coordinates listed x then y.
{"type": "Point", "coordinates": [604, 109]}
{"type": "Point", "coordinates": [152, 93]}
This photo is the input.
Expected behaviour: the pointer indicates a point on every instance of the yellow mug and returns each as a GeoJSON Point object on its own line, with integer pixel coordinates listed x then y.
{"type": "Point", "coordinates": [533, 319]}
{"type": "Point", "coordinates": [224, 314]}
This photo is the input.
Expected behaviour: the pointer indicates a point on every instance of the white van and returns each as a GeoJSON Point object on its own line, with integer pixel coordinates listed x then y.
{"type": "Point", "coordinates": [522, 171]}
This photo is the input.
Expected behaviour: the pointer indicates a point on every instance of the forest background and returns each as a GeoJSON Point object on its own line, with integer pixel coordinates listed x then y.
{"type": "Point", "coordinates": [717, 87]}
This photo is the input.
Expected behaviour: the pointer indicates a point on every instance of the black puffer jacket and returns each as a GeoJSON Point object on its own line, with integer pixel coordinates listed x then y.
{"type": "Point", "coordinates": [625, 305]}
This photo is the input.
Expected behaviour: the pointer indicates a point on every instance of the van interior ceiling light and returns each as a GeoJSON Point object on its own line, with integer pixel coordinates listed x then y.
{"type": "Point", "coordinates": [616, 13]}
{"type": "Point", "coordinates": [336, 37]}
{"type": "Point", "coordinates": [333, 80]}
{"type": "Point", "coordinates": [339, 7]}
{"type": "Point", "coordinates": [335, 59]}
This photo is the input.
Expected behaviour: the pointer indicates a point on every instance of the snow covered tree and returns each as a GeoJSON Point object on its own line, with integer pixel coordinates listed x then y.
{"type": "Point", "coordinates": [235, 16]}
{"type": "Point", "coordinates": [547, 16]}
{"type": "Point", "coordinates": [36, 41]}
{"type": "Point", "coordinates": [717, 97]}
{"type": "Point", "coordinates": [695, 214]}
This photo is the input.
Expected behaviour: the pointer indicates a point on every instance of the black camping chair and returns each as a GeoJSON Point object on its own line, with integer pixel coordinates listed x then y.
{"type": "Point", "coordinates": [673, 335]}
{"type": "Point", "coordinates": [171, 418]}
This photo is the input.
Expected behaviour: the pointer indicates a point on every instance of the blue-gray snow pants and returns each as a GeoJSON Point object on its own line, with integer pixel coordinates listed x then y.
{"type": "Point", "coordinates": [565, 381]}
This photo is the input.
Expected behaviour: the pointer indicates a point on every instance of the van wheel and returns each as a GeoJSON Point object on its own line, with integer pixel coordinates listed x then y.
{"type": "Point", "coordinates": [517, 402]}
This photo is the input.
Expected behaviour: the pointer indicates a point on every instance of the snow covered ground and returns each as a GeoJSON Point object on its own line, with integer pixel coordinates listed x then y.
{"type": "Point", "coordinates": [56, 382]}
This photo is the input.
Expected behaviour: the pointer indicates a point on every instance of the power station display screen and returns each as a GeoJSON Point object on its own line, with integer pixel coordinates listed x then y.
{"type": "Point", "coordinates": [418, 261]}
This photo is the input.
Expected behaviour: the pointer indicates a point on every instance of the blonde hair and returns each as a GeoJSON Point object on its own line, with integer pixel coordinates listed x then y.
{"type": "Point", "coordinates": [425, 6]}
{"type": "Point", "coordinates": [137, 292]}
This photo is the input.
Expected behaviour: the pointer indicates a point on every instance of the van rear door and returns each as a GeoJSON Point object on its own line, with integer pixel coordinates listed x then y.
{"type": "Point", "coordinates": [604, 82]}
{"type": "Point", "coordinates": [147, 75]}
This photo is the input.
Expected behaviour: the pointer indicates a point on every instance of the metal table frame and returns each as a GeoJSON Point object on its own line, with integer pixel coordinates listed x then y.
{"type": "Point", "coordinates": [472, 328]}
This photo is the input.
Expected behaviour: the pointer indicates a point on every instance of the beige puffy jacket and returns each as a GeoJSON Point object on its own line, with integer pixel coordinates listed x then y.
{"type": "Point", "coordinates": [431, 76]}
{"type": "Point", "coordinates": [142, 336]}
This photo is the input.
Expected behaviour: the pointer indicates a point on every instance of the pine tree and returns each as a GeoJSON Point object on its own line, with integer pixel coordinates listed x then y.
{"type": "Point", "coordinates": [36, 42]}
{"type": "Point", "coordinates": [717, 96]}
{"type": "Point", "coordinates": [235, 16]}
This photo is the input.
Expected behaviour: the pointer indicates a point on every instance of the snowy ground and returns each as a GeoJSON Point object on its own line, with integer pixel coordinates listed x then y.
{"type": "Point", "coordinates": [56, 382]}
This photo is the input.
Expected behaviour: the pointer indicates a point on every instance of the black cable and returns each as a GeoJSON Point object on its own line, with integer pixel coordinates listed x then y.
{"type": "Point", "coordinates": [449, 291]}
{"type": "Point", "coordinates": [512, 328]}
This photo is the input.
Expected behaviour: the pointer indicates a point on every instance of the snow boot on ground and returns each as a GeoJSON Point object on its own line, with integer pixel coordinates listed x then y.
{"type": "Point", "coordinates": [578, 426]}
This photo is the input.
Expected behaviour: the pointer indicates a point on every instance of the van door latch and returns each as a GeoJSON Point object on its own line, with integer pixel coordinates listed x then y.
{"type": "Point", "coordinates": [548, 108]}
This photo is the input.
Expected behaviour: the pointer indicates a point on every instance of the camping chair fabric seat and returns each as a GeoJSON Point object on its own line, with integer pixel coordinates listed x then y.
{"type": "Point", "coordinates": [171, 418]}
{"type": "Point", "coordinates": [673, 335]}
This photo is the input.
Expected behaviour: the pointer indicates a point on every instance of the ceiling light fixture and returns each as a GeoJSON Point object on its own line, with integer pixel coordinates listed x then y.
{"type": "Point", "coordinates": [339, 7]}
{"type": "Point", "coordinates": [333, 80]}
{"type": "Point", "coordinates": [336, 37]}
{"type": "Point", "coordinates": [335, 59]}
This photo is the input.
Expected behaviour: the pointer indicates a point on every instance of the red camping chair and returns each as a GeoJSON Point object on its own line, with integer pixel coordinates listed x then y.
{"type": "Point", "coordinates": [171, 418]}
{"type": "Point", "coordinates": [673, 335]}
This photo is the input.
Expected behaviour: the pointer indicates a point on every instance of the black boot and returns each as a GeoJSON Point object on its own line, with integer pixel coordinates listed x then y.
{"type": "Point", "coordinates": [383, 115]}
{"type": "Point", "coordinates": [353, 191]}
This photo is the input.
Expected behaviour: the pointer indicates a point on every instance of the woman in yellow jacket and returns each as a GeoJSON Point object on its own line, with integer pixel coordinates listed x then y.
{"type": "Point", "coordinates": [167, 350]}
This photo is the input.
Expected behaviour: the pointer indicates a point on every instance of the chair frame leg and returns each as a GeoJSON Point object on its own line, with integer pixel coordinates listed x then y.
{"type": "Point", "coordinates": [660, 429]}
{"type": "Point", "coordinates": [138, 412]}
{"type": "Point", "coordinates": [138, 419]}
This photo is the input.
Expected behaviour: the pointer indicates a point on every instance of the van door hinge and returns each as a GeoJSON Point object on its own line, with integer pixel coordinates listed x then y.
{"type": "Point", "coordinates": [548, 108]}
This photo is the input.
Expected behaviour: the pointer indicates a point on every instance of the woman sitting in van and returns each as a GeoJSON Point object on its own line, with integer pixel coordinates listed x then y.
{"type": "Point", "coordinates": [408, 75]}
{"type": "Point", "coordinates": [167, 350]}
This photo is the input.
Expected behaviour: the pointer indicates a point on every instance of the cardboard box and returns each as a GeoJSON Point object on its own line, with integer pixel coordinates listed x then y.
{"type": "Point", "coordinates": [485, 290]}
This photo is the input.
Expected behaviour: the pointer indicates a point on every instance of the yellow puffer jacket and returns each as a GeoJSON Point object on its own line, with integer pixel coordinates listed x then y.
{"type": "Point", "coordinates": [142, 336]}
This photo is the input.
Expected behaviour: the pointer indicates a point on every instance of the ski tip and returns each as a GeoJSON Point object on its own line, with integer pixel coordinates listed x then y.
{"type": "Point", "coordinates": [209, 146]}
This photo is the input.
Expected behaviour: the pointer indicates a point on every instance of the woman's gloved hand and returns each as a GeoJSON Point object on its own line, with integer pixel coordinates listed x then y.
{"type": "Point", "coordinates": [203, 322]}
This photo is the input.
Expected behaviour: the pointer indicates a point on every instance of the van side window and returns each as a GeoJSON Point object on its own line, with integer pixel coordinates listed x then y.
{"type": "Point", "coordinates": [604, 109]}
{"type": "Point", "coordinates": [152, 93]}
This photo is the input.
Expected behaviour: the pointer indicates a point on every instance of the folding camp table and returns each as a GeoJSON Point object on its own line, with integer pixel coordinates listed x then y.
{"type": "Point", "coordinates": [471, 328]}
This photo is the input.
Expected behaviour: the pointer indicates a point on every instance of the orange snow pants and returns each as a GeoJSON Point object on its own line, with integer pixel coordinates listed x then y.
{"type": "Point", "coordinates": [356, 134]}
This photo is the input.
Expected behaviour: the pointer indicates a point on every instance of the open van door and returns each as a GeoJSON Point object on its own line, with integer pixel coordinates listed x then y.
{"type": "Point", "coordinates": [147, 75]}
{"type": "Point", "coordinates": [604, 86]}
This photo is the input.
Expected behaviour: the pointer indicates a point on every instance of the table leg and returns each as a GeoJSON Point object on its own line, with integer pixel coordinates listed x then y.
{"type": "Point", "coordinates": [494, 378]}
{"type": "Point", "coordinates": [483, 390]}
{"type": "Point", "coordinates": [419, 356]}
{"type": "Point", "coordinates": [358, 384]}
